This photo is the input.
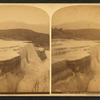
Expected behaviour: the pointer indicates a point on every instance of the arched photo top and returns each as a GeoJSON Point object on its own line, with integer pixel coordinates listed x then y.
{"type": "Point", "coordinates": [77, 17]}
{"type": "Point", "coordinates": [75, 49]}
{"type": "Point", "coordinates": [24, 50]}
{"type": "Point", "coordinates": [24, 16]}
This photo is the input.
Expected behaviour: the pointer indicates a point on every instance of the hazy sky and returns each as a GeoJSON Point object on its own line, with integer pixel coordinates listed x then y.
{"type": "Point", "coordinates": [62, 13]}
{"type": "Point", "coordinates": [77, 13]}
{"type": "Point", "coordinates": [21, 13]}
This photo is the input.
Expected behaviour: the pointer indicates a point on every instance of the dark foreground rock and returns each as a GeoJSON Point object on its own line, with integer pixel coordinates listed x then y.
{"type": "Point", "coordinates": [72, 76]}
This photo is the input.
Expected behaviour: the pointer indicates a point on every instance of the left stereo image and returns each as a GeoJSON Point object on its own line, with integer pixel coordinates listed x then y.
{"type": "Point", "coordinates": [24, 50]}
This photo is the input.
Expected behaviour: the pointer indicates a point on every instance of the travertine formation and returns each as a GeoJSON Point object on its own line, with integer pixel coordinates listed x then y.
{"type": "Point", "coordinates": [94, 85]}
{"type": "Point", "coordinates": [71, 65]}
{"type": "Point", "coordinates": [21, 69]}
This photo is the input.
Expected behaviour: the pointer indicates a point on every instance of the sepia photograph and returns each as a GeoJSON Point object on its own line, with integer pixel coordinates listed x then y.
{"type": "Point", "coordinates": [49, 49]}
{"type": "Point", "coordinates": [24, 50]}
{"type": "Point", "coordinates": [76, 49]}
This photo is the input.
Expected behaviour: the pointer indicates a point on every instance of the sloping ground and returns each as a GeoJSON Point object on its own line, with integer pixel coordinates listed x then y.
{"type": "Point", "coordinates": [78, 25]}
{"type": "Point", "coordinates": [39, 39]}
{"type": "Point", "coordinates": [23, 70]}
{"type": "Point", "coordinates": [21, 25]}
{"type": "Point", "coordinates": [78, 34]}
{"type": "Point", "coordinates": [87, 34]}
{"type": "Point", "coordinates": [71, 71]}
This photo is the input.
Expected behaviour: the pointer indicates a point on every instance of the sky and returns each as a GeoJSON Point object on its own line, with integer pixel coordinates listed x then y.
{"type": "Point", "coordinates": [42, 13]}
{"type": "Point", "coordinates": [21, 13]}
{"type": "Point", "coordinates": [76, 13]}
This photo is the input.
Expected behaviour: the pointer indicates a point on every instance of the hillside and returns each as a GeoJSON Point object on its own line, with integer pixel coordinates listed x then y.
{"type": "Point", "coordinates": [91, 34]}
{"type": "Point", "coordinates": [39, 39]}
{"type": "Point", "coordinates": [22, 25]}
{"type": "Point", "coordinates": [78, 25]}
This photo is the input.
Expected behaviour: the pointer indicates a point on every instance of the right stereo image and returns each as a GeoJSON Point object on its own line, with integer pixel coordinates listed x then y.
{"type": "Point", "coordinates": [76, 49]}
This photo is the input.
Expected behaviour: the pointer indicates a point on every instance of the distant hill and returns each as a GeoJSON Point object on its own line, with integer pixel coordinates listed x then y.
{"type": "Point", "coordinates": [78, 25]}
{"type": "Point", "coordinates": [39, 39]}
{"type": "Point", "coordinates": [22, 25]}
{"type": "Point", "coordinates": [90, 34]}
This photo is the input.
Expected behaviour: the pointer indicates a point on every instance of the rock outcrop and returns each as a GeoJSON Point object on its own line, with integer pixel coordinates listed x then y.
{"type": "Point", "coordinates": [24, 72]}
{"type": "Point", "coordinates": [94, 85]}
{"type": "Point", "coordinates": [71, 76]}
{"type": "Point", "coordinates": [72, 62]}
{"type": "Point", "coordinates": [41, 53]}
{"type": "Point", "coordinates": [36, 72]}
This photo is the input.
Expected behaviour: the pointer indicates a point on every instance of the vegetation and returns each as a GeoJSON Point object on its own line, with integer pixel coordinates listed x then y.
{"type": "Point", "coordinates": [90, 34]}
